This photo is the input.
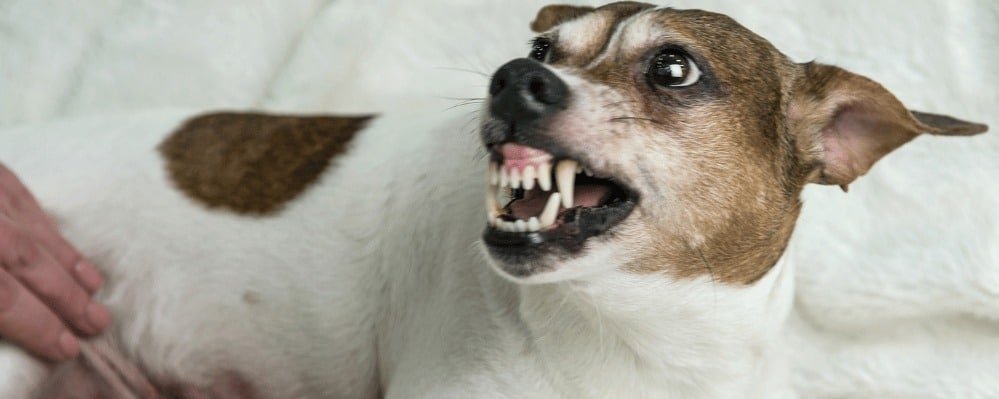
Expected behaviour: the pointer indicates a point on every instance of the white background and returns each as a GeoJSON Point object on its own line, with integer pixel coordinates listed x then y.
{"type": "Point", "coordinates": [898, 281]}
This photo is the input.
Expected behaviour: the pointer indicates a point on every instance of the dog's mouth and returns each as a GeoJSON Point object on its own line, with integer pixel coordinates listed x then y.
{"type": "Point", "coordinates": [536, 200]}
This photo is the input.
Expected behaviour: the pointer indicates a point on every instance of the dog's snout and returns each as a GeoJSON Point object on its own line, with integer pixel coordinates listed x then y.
{"type": "Point", "coordinates": [524, 90]}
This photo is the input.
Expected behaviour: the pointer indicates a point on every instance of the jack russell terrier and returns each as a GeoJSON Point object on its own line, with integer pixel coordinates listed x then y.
{"type": "Point", "coordinates": [643, 171]}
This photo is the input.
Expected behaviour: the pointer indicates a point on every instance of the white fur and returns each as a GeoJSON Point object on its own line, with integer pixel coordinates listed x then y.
{"type": "Point", "coordinates": [896, 280]}
{"type": "Point", "coordinates": [378, 261]}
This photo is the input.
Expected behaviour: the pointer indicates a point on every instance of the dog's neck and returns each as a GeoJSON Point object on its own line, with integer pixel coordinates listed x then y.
{"type": "Point", "coordinates": [654, 337]}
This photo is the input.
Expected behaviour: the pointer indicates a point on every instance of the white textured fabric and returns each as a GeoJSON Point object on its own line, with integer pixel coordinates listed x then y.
{"type": "Point", "coordinates": [898, 281]}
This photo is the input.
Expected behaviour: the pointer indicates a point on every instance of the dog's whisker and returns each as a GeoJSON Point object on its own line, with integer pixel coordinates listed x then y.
{"type": "Point", "coordinates": [462, 105]}
{"type": "Point", "coordinates": [474, 117]}
{"type": "Point", "coordinates": [483, 74]}
{"type": "Point", "coordinates": [460, 98]}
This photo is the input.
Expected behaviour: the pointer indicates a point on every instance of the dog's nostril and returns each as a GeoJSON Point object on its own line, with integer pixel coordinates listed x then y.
{"type": "Point", "coordinates": [525, 90]}
{"type": "Point", "coordinates": [497, 85]}
{"type": "Point", "coordinates": [536, 87]}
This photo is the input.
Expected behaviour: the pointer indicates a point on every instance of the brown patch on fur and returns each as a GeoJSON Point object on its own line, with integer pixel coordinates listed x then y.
{"type": "Point", "coordinates": [719, 165]}
{"type": "Point", "coordinates": [849, 122]}
{"type": "Point", "coordinates": [610, 15]}
{"type": "Point", "coordinates": [948, 125]}
{"type": "Point", "coordinates": [254, 163]}
{"type": "Point", "coordinates": [743, 203]}
{"type": "Point", "coordinates": [742, 141]}
{"type": "Point", "coordinates": [550, 16]}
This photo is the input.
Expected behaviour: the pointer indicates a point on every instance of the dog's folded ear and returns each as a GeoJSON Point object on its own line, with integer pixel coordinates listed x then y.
{"type": "Point", "coordinates": [845, 122]}
{"type": "Point", "coordinates": [550, 16]}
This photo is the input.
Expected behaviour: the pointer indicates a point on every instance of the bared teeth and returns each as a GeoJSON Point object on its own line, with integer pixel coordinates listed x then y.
{"type": "Point", "coordinates": [545, 176]}
{"type": "Point", "coordinates": [502, 178]}
{"type": "Point", "coordinates": [514, 178]}
{"type": "Point", "coordinates": [533, 224]}
{"type": "Point", "coordinates": [492, 207]}
{"type": "Point", "coordinates": [565, 179]}
{"type": "Point", "coordinates": [529, 175]}
{"type": "Point", "coordinates": [510, 226]}
{"type": "Point", "coordinates": [548, 215]}
{"type": "Point", "coordinates": [493, 175]}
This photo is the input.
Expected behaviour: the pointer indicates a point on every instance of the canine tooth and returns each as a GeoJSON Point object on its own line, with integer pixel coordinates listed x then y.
{"type": "Point", "coordinates": [521, 225]}
{"type": "Point", "coordinates": [588, 172]}
{"type": "Point", "coordinates": [529, 176]}
{"type": "Point", "coordinates": [533, 224]}
{"type": "Point", "coordinates": [565, 178]}
{"type": "Point", "coordinates": [493, 174]}
{"type": "Point", "coordinates": [579, 169]}
{"type": "Point", "coordinates": [548, 215]}
{"type": "Point", "coordinates": [514, 178]}
{"type": "Point", "coordinates": [492, 206]}
{"type": "Point", "coordinates": [504, 178]}
{"type": "Point", "coordinates": [545, 176]}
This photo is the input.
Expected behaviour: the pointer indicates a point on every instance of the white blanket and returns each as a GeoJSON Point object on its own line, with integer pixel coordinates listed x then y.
{"type": "Point", "coordinates": [898, 281]}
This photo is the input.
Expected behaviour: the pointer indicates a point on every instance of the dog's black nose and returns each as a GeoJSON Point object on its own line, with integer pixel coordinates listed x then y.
{"type": "Point", "coordinates": [524, 90]}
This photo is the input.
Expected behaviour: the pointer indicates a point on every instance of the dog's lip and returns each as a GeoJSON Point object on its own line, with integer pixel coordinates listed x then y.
{"type": "Point", "coordinates": [573, 225]}
{"type": "Point", "coordinates": [524, 254]}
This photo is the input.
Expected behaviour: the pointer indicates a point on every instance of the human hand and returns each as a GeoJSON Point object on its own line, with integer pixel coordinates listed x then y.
{"type": "Point", "coordinates": [45, 284]}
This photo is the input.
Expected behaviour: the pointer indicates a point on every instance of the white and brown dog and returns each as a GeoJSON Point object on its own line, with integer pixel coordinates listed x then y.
{"type": "Point", "coordinates": [642, 181]}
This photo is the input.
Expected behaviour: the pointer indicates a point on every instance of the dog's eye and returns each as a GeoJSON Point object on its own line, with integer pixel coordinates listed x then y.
{"type": "Point", "coordinates": [673, 68]}
{"type": "Point", "coordinates": [539, 49]}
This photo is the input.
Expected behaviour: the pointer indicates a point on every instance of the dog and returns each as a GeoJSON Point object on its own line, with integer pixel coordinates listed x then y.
{"type": "Point", "coordinates": [642, 174]}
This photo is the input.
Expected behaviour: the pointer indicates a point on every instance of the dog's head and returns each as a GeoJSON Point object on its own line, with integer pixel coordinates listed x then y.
{"type": "Point", "coordinates": [657, 140]}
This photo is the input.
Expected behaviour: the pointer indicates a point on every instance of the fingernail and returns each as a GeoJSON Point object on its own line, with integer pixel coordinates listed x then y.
{"type": "Point", "coordinates": [69, 345]}
{"type": "Point", "coordinates": [88, 275]}
{"type": "Point", "coordinates": [98, 316]}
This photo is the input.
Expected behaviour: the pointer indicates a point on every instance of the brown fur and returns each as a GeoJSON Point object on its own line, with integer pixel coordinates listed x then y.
{"type": "Point", "coordinates": [608, 17]}
{"type": "Point", "coordinates": [835, 108]}
{"type": "Point", "coordinates": [254, 163]}
{"type": "Point", "coordinates": [556, 14]}
{"type": "Point", "coordinates": [749, 135]}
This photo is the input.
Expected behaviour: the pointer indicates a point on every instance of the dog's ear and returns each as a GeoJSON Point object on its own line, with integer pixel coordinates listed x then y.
{"type": "Point", "coordinates": [846, 122]}
{"type": "Point", "coordinates": [552, 15]}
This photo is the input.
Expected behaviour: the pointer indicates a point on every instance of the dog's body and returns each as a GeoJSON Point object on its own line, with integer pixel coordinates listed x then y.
{"type": "Point", "coordinates": [298, 303]}
{"type": "Point", "coordinates": [371, 281]}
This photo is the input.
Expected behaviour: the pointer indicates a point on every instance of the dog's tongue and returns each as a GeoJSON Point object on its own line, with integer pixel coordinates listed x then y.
{"type": "Point", "coordinates": [586, 195]}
